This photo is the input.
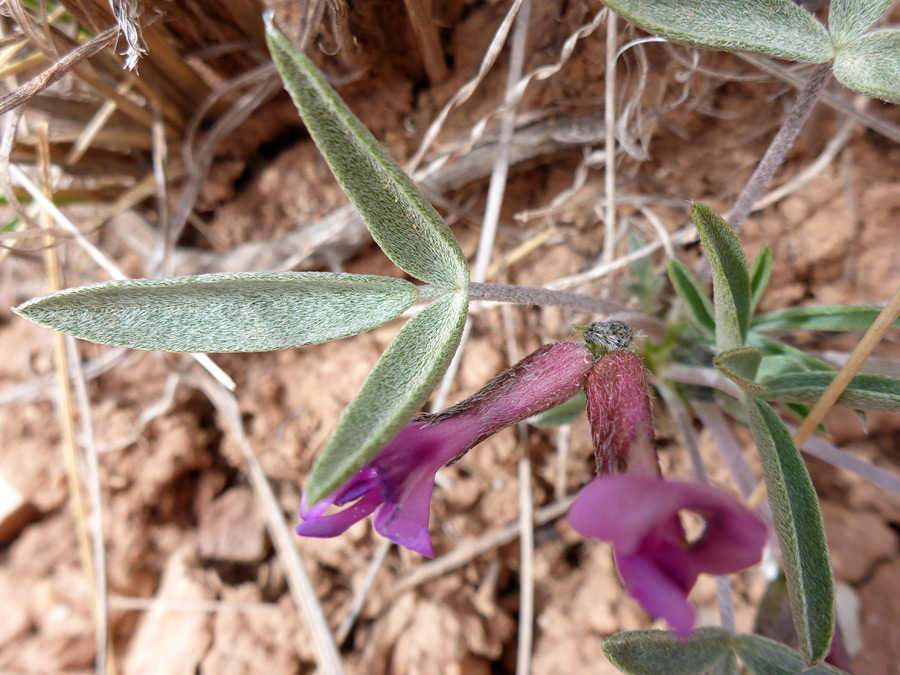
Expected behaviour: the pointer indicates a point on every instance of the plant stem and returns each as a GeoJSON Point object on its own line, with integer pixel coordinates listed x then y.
{"type": "Point", "coordinates": [779, 146]}
{"type": "Point", "coordinates": [523, 295]}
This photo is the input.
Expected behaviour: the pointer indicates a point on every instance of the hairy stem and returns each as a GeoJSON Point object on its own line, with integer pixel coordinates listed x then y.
{"type": "Point", "coordinates": [779, 146]}
{"type": "Point", "coordinates": [523, 295]}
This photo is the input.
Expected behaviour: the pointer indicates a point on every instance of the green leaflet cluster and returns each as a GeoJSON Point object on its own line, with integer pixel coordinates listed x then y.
{"type": "Point", "coordinates": [261, 311]}
{"type": "Point", "coordinates": [709, 650]}
{"type": "Point", "coordinates": [865, 62]}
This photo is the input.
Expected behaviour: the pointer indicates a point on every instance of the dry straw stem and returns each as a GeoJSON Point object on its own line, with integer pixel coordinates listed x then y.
{"type": "Point", "coordinates": [40, 82]}
{"type": "Point", "coordinates": [496, 188]}
{"type": "Point", "coordinates": [327, 656]}
{"type": "Point", "coordinates": [467, 552]}
{"type": "Point", "coordinates": [864, 349]}
{"type": "Point", "coordinates": [585, 130]}
{"type": "Point", "coordinates": [609, 169]}
{"type": "Point", "coordinates": [6, 145]}
{"type": "Point", "coordinates": [92, 558]}
{"type": "Point", "coordinates": [27, 63]}
{"type": "Point", "coordinates": [832, 100]}
{"type": "Point", "coordinates": [526, 566]}
{"type": "Point", "coordinates": [38, 388]}
{"type": "Point", "coordinates": [525, 642]}
{"type": "Point", "coordinates": [427, 36]}
{"type": "Point", "coordinates": [563, 436]}
{"type": "Point", "coordinates": [465, 92]}
{"type": "Point", "coordinates": [359, 598]}
{"type": "Point", "coordinates": [199, 160]}
{"type": "Point", "coordinates": [93, 128]}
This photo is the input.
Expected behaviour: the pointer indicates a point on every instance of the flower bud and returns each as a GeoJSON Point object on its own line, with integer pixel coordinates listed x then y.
{"type": "Point", "coordinates": [618, 409]}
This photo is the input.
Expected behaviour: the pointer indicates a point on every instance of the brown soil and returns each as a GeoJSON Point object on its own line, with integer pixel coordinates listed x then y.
{"type": "Point", "coordinates": [179, 520]}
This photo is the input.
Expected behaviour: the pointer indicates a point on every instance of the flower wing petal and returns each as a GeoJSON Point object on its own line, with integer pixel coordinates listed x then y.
{"type": "Point", "coordinates": [406, 523]}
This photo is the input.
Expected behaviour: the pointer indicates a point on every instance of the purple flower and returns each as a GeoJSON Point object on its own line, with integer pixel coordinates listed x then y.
{"type": "Point", "coordinates": [631, 507]}
{"type": "Point", "coordinates": [397, 484]}
{"type": "Point", "coordinates": [638, 515]}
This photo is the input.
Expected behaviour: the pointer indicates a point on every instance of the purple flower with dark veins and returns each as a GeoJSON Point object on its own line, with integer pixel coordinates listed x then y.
{"type": "Point", "coordinates": [397, 484]}
{"type": "Point", "coordinates": [638, 515]}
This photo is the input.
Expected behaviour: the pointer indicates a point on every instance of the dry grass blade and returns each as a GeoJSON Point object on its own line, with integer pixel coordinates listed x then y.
{"type": "Point", "coordinates": [359, 599]}
{"type": "Point", "coordinates": [327, 656]}
{"type": "Point", "coordinates": [92, 557]}
{"type": "Point", "coordinates": [500, 172]}
{"type": "Point", "coordinates": [686, 235]}
{"type": "Point", "coordinates": [465, 92]}
{"type": "Point", "coordinates": [819, 447]}
{"type": "Point", "coordinates": [428, 39]}
{"type": "Point", "coordinates": [38, 388]}
{"type": "Point", "coordinates": [863, 350]}
{"type": "Point", "coordinates": [582, 131]}
{"type": "Point", "coordinates": [137, 604]}
{"type": "Point", "coordinates": [63, 221]}
{"type": "Point", "coordinates": [22, 65]}
{"type": "Point", "coordinates": [832, 100]}
{"type": "Point", "coordinates": [526, 567]}
{"type": "Point", "coordinates": [563, 436]}
{"type": "Point", "coordinates": [464, 553]}
{"type": "Point", "coordinates": [199, 162]}
{"type": "Point", "coordinates": [9, 136]}
{"type": "Point", "coordinates": [163, 254]}
{"type": "Point", "coordinates": [609, 119]}
{"type": "Point", "coordinates": [90, 130]}
{"type": "Point", "coordinates": [105, 660]}
{"type": "Point", "coordinates": [40, 82]}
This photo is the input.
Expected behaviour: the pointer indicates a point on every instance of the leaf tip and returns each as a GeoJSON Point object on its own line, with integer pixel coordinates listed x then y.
{"type": "Point", "coordinates": [268, 17]}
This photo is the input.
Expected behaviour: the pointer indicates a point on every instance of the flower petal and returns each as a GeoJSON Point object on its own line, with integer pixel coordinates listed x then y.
{"type": "Point", "coordinates": [624, 509]}
{"type": "Point", "coordinates": [639, 516]}
{"type": "Point", "coordinates": [733, 538]}
{"type": "Point", "coordinates": [317, 525]}
{"type": "Point", "coordinates": [406, 523]}
{"type": "Point", "coordinates": [657, 592]}
{"type": "Point", "coordinates": [416, 454]}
